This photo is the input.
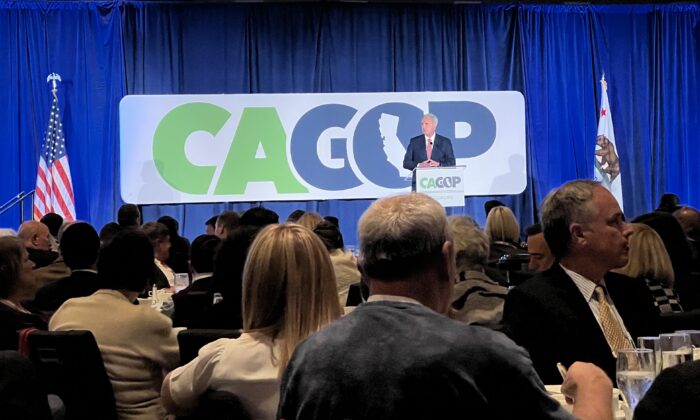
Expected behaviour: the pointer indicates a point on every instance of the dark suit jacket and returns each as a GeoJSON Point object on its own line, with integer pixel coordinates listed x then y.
{"type": "Point", "coordinates": [50, 297]}
{"type": "Point", "coordinates": [550, 318]}
{"type": "Point", "coordinates": [186, 308]}
{"type": "Point", "coordinates": [416, 153]}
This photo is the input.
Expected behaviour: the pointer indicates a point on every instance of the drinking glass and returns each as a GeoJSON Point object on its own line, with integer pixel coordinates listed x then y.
{"type": "Point", "coordinates": [695, 340]}
{"type": "Point", "coordinates": [635, 373]}
{"type": "Point", "coordinates": [675, 349]}
{"type": "Point", "coordinates": [652, 343]}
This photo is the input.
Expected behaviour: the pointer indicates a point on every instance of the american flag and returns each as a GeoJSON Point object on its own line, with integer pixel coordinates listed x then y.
{"type": "Point", "coordinates": [54, 188]}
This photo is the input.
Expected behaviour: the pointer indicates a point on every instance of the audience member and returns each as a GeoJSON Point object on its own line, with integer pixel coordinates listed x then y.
{"type": "Point", "coordinates": [179, 253]}
{"type": "Point", "coordinates": [108, 232]}
{"type": "Point", "coordinates": [260, 217]}
{"type": "Point", "coordinates": [503, 232]}
{"type": "Point", "coordinates": [309, 220]}
{"type": "Point", "coordinates": [541, 258]}
{"type": "Point", "coordinates": [577, 311]}
{"type": "Point", "coordinates": [344, 263]}
{"type": "Point", "coordinates": [489, 205]}
{"type": "Point", "coordinates": [476, 299]}
{"type": "Point", "coordinates": [674, 394]}
{"type": "Point", "coordinates": [79, 248]}
{"type": "Point", "coordinates": [203, 251]}
{"type": "Point", "coordinates": [288, 293]}
{"type": "Point", "coordinates": [37, 241]}
{"type": "Point", "coordinates": [210, 225]}
{"type": "Point", "coordinates": [158, 234]}
{"type": "Point", "coordinates": [226, 223]}
{"type": "Point", "coordinates": [669, 203]}
{"type": "Point", "coordinates": [227, 281]}
{"type": "Point", "coordinates": [17, 284]}
{"type": "Point", "coordinates": [680, 252]}
{"type": "Point", "coordinates": [129, 216]}
{"type": "Point", "coordinates": [332, 220]}
{"type": "Point", "coordinates": [398, 356]}
{"type": "Point", "coordinates": [136, 342]}
{"type": "Point", "coordinates": [53, 221]}
{"type": "Point", "coordinates": [295, 215]}
{"type": "Point", "coordinates": [649, 262]}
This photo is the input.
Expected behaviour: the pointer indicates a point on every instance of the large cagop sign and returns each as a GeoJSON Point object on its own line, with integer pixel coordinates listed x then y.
{"type": "Point", "coordinates": [266, 147]}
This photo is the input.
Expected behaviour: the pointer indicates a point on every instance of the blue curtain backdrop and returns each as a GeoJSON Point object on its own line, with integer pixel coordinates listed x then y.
{"type": "Point", "coordinates": [554, 54]}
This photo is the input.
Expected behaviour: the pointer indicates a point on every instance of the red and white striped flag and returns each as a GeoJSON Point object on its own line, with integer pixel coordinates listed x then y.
{"type": "Point", "coordinates": [54, 188]}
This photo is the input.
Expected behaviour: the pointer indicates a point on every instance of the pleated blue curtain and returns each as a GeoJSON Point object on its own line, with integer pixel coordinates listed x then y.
{"type": "Point", "coordinates": [553, 54]}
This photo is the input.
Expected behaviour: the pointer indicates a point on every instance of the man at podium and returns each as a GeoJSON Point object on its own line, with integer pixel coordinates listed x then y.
{"type": "Point", "coordinates": [430, 149]}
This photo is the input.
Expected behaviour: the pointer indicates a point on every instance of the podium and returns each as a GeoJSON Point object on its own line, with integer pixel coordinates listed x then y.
{"type": "Point", "coordinates": [444, 184]}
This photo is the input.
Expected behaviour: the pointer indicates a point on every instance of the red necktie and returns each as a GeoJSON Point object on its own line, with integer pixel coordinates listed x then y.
{"type": "Point", "coordinates": [429, 149]}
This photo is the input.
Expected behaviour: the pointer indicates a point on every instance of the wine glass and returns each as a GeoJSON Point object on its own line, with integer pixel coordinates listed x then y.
{"type": "Point", "coordinates": [635, 373]}
{"type": "Point", "coordinates": [676, 348]}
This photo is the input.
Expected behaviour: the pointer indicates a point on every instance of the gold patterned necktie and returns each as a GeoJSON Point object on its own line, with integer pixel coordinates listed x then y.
{"type": "Point", "coordinates": [613, 331]}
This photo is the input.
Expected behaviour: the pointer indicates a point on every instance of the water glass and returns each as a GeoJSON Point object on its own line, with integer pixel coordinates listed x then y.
{"type": "Point", "coordinates": [652, 343]}
{"type": "Point", "coordinates": [695, 340]}
{"type": "Point", "coordinates": [635, 373]}
{"type": "Point", "coordinates": [675, 349]}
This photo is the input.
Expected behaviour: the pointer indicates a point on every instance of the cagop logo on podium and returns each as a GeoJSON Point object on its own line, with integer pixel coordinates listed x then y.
{"type": "Point", "coordinates": [444, 184]}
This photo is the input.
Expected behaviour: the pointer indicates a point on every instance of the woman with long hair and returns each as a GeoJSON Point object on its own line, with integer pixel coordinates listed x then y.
{"type": "Point", "coordinates": [649, 260]}
{"type": "Point", "coordinates": [17, 283]}
{"type": "Point", "coordinates": [289, 293]}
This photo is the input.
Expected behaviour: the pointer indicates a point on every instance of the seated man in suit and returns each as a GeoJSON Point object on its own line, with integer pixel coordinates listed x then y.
{"type": "Point", "coordinates": [576, 310]}
{"type": "Point", "coordinates": [79, 247]}
{"type": "Point", "coordinates": [428, 150]}
{"type": "Point", "coordinates": [202, 266]}
{"type": "Point", "coordinates": [399, 356]}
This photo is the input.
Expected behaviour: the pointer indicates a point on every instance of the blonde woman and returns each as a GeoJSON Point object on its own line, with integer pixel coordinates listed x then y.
{"type": "Point", "coordinates": [503, 232]}
{"type": "Point", "coordinates": [289, 293]}
{"type": "Point", "coordinates": [649, 260]}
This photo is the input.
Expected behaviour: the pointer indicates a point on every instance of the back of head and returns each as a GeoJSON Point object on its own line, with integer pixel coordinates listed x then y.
{"type": "Point", "coordinates": [295, 215]}
{"type": "Point", "coordinates": [202, 253]}
{"type": "Point", "coordinates": [501, 225]}
{"type": "Point", "coordinates": [490, 205]}
{"type": "Point", "coordinates": [155, 231]}
{"type": "Point", "coordinates": [289, 288]}
{"type": "Point", "coordinates": [226, 223]}
{"type": "Point", "coordinates": [330, 235]}
{"type": "Point", "coordinates": [401, 236]}
{"type": "Point", "coordinates": [108, 232]}
{"type": "Point", "coordinates": [80, 246]}
{"type": "Point", "coordinates": [309, 220]}
{"type": "Point", "coordinates": [470, 243]}
{"type": "Point", "coordinates": [669, 203]}
{"type": "Point", "coordinates": [129, 216]}
{"type": "Point", "coordinates": [34, 235]}
{"type": "Point", "coordinates": [673, 237]}
{"type": "Point", "coordinates": [570, 203]}
{"type": "Point", "coordinates": [689, 218]}
{"type": "Point", "coordinates": [127, 261]}
{"type": "Point", "coordinates": [53, 221]}
{"type": "Point", "coordinates": [259, 216]}
{"type": "Point", "coordinates": [647, 256]}
{"type": "Point", "coordinates": [11, 254]}
{"type": "Point", "coordinates": [172, 225]}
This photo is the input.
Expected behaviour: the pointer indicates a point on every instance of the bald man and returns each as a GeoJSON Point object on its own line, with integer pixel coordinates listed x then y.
{"type": "Point", "coordinates": [48, 265]}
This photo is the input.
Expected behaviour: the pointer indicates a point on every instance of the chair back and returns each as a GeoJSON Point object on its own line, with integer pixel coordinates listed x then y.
{"type": "Point", "coordinates": [191, 341]}
{"type": "Point", "coordinates": [70, 365]}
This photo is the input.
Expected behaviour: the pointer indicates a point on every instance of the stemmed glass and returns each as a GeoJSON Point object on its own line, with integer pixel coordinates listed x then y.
{"type": "Point", "coordinates": [635, 373]}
